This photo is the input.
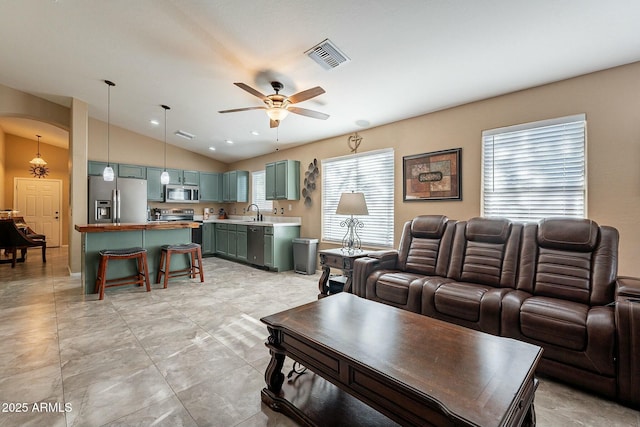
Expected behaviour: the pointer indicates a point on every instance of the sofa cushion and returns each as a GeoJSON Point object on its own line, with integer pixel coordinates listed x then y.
{"type": "Point", "coordinates": [393, 287]}
{"type": "Point", "coordinates": [554, 321]}
{"type": "Point", "coordinates": [488, 230]}
{"type": "Point", "coordinates": [460, 300]}
{"type": "Point", "coordinates": [428, 226]}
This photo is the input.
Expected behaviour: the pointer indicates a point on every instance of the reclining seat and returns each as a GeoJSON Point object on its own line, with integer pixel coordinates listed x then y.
{"type": "Point", "coordinates": [566, 282]}
{"type": "Point", "coordinates": [482, 271]}
{"type": "Point", "coordinates": [395, 277]}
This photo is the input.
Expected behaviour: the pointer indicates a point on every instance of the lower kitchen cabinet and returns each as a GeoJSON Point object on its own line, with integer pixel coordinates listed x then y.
{"type": "Point", "coordinates": [278, 247]}
{"type": "Point", "coordinates": [222, 239]}
{"type": "Point", "coordinates": [208, 238]}
{"type": "Point", "coordinates": [241, 242]}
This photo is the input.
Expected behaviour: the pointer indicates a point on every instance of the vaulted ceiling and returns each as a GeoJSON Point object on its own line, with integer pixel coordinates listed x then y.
{"type": "Point", "coordinates": [406, 58]}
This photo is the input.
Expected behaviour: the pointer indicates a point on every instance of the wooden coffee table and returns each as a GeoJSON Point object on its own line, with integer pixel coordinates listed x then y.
{"type": "Point", "coordinates": [372, 361]}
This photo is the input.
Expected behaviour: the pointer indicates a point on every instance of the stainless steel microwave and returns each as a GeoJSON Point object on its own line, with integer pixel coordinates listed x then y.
{"type": "Point", "coordinates": [181, 193]}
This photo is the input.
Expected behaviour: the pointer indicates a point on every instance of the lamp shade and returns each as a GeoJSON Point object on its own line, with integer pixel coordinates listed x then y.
{"type": "Point", "coordinates": [107, 174]}
{"type": "Point", "coordinates": [352, 204]}
{"type": "Point", "coordinates": [164, 178]}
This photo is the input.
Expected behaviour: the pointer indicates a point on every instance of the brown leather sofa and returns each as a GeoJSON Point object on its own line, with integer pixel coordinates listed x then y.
{"type": "Point", "coordinates": [551, 283]}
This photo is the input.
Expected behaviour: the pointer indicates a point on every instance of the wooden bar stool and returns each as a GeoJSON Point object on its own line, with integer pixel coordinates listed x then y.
{"type": "Point", "coordinates": [191, 249]}
{"type": "Point", "coordinates": [140, 278]}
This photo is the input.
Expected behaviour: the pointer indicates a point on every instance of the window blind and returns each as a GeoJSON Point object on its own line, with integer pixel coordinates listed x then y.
{"type": "Point", "coordinates": [535, 170]}
{"type": "Point", "coordinates": [370, 173]}
{"type": "Point", "coordinates": [258, 191]}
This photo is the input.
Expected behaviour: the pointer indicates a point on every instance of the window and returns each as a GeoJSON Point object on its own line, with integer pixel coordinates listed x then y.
{"type": "Point", "coordinates": [535, 170]}
{"type": "Point", "coordinates": [258, 193]}
{"type": "Point", "coordinates": [371, 173]}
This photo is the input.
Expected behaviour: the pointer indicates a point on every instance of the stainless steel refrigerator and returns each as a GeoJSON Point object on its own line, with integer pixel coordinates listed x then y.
{"type": "Point", "coordinates": [120, 200]}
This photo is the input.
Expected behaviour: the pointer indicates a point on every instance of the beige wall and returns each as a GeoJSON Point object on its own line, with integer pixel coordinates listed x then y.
{"type": "Point", "coordinates": [3, 156]}
{"type": "Point", "coordinates": [132, 148]}
{"type": "Point", "coordinates": [609, 99]}
{"type": "Point", "coordinates": [19, 151]}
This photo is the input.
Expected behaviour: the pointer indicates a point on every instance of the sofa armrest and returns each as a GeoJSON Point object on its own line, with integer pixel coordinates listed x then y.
{"type": "Point", "coordinates": [627, 312]}
{"type": "Point", "coordinates": [364, 266]}
{"type": "Point", "coordinates": [627, 288]}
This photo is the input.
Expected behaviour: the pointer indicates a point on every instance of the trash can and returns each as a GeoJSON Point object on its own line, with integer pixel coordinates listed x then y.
{"type": "Point", "coordinates": [304, 255]}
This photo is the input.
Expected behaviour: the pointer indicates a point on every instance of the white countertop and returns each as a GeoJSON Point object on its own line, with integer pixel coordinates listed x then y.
{"type": "Point", "coordinates": [269, 221]}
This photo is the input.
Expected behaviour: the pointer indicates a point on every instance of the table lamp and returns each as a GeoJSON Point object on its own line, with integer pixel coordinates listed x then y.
{"type": "Point", "coordinates": [352, 204]}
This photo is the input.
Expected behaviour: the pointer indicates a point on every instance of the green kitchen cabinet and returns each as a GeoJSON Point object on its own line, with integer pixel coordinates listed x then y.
{"type": "Point", "coordinates": [175, 176]}
{"type": "Point", "coordinates": [282, 180]}
{"type": "Point", "coordinates": [222, 239]}
{"type": "Point", "coordinates": [235, 186]}
{"type": "Point", "coordinates": [278, 247]}
{"type": "Point", "coordinates": [96, 168]}
{"type": "Point", "coordinates": [232, 242]}
{"type": "Point", "coordinates": [155, 190]}
{"type": "Point", "coordinates": [208, 238]}
{"type": "Point", "coordinates": [132, 171]}
{"type": "Point", "coordinates": [190, 178]}
{"type": "Point", "coordinates": [210, 187]}
{"type": "Point", "coordinates": [241, 242]}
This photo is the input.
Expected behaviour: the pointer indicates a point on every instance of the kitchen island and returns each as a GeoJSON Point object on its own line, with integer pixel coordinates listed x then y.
{"type": "Point", "coordinates": [149, 235]}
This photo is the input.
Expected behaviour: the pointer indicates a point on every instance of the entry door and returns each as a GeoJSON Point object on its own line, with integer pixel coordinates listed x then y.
{"type": "Point", "coordinates": [38, 201]}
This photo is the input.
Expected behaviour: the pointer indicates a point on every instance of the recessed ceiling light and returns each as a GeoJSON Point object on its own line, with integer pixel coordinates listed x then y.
{"type": "Point", "coordinates": [228, 141]}
{"type": "Point", "coordinates": [212, 148]}
{"type": "Point", "coordinates": [154, 122]}
{"type": "Point", "coordinates": [255, 132]}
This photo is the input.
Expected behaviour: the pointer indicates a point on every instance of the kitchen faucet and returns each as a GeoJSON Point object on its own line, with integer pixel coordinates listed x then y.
{"type": "Point", "coordinates": [257, 209]}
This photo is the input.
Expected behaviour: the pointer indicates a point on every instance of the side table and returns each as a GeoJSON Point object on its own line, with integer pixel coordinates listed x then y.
{"type": "Point", "coordinates": [337, 258]}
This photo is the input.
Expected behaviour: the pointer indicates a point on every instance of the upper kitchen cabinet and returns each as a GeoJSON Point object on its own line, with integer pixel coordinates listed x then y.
{"type": "Point", "coordinates": [154, 187]}
{"type": "Point", "coordinates": [96, 168]}
{"type": "Point", "coordinates": [282, 180]}
{"type": "Point", "coordinates": [235, 186]}
{"type": "Point", "coordinates": [175, 176]}
{"type": "Point", "coordinates": [190, 178]}
{"type": "Point", "coordinates": [132, 171]}
{"type": "Point", "coordinates": [210, 187]}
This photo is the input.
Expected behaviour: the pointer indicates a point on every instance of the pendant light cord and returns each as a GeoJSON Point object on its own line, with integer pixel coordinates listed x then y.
{"type": "Point", "coordinates": [166, 107]}
{"type": "Point", "coordinates": [109, 83]}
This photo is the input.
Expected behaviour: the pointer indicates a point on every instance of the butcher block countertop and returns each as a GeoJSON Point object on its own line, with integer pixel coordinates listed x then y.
{"type": "Point", "coordinates": [131, 226]}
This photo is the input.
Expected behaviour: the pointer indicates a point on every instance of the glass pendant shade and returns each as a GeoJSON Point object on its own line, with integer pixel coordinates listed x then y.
{"type": "Point", "coordinates": [107, 174]}
{"type": "Point", "coordinates": [164, 178]}
{"type": "Point", "coordinates": [277, 113]}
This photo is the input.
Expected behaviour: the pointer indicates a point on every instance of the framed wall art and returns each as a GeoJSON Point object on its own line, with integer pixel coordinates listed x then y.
{"type": "Point", "coordinates": [432, 176]}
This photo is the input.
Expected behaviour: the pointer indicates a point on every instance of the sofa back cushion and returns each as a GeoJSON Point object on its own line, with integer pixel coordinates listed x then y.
{"type": "Point", "coordinates": [485, 251]}
{"type": "Point", "coordinates": [571, 259]}
{"type": "Point", "coordinates": [425, 245]}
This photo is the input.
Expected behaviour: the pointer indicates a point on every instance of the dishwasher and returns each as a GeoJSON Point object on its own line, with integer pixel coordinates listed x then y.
{"type": "Point", "coordinates": [255, 245]}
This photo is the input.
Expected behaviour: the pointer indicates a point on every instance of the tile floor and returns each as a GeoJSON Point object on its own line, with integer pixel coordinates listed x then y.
{"type": "Point", "coordinates": [189, 355]}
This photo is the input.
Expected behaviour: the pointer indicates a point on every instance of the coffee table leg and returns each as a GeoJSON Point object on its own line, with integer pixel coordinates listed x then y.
{"type": "Point", "coordinates": [273, 375]}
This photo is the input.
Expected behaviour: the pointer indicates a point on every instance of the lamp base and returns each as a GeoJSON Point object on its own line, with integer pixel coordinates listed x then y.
{"type": "Point", "coordinates": [351, 242]}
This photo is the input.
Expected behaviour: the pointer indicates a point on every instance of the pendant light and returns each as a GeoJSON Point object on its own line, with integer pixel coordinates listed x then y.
{"type": "Point", "coordinates": [107, 174]}
{"type": "Point", "coordinates": [164, 177]}
{"type": "Point", "coordinates": [37, 160]}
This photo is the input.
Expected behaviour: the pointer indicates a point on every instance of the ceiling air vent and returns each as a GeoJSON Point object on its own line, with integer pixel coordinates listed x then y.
{"type": "Point", "coordinates": [185, 135]}
{"type": "Point", "coordinates": [327, 55]}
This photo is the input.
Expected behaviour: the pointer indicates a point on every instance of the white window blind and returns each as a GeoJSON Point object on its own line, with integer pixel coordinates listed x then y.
{"type": "Point", "coordinates": [370, 173]}
{"type": "Point", "coordinates": [535, 170]}
{"type": "Point", "coordinates": [258, 192]}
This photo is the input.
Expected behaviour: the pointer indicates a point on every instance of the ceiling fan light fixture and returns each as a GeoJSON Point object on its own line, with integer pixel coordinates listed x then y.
{"type": "Point", "coordinates": [277, 114]}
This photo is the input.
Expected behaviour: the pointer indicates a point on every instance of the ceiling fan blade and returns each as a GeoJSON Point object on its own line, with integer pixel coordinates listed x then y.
{"type": "Point", "coordinates": [251, 90]}
{"type": "Point", "coordinates": [274, 123]}
{"type": "Point", "coordinates": [306, 94]}
{"type": "Point", "coordinates": [235, 110]}
{"type": "Point", "coordinates": [309, 113]}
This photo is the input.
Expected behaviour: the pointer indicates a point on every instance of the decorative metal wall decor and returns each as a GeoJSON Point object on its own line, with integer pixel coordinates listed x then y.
{"type": "Point", "coordinates": [310, 177]}
{"type": "Point", "coordinates": [433, 176]}
{"type": "Point", "coordinates": [354, 139]}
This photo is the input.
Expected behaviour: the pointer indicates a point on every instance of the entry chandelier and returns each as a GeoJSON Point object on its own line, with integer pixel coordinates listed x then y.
{"type": "Point", "coordinates": [108, 174]}
{"type": "Point", "coordinates": [38, 165]}
{"type": "Point", "coordinates": [37, 160]}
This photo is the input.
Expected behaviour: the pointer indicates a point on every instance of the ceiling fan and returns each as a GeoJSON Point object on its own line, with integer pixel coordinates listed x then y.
{"type": "Point", "coordinates": [278, 106]}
